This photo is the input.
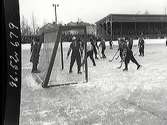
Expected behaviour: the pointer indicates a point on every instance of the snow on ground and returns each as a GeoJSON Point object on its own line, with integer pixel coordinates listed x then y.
{"type": "Point", "coordinates": [111, 97]}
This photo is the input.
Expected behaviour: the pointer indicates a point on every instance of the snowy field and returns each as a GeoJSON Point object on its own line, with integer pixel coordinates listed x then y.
{"type": "Point", "coordinates": [111, 97]}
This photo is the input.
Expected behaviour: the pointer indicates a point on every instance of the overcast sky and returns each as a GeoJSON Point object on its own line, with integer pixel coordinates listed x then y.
{"type": "Point", "coordinates": [86, 10]}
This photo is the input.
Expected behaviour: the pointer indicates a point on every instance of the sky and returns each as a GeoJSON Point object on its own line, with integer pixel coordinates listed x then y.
{"type": "Point", "coordinates": [86, 10]}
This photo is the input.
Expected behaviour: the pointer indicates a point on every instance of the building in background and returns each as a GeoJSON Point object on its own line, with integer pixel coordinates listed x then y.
{"type": "Point", "coordinates": [47, 27]}
{"type": "Point", "coordinates": [122, 25]}
{"type": "Point", "coordinates": [91, 28]}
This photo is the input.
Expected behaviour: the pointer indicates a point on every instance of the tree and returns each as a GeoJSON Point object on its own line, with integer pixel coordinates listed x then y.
{"type": "Point", "coordinates": [34, 24]}
{"type": "Point", "coordinates": [146, 12]}
{"type": "Point", "coordinates": [25, 28]}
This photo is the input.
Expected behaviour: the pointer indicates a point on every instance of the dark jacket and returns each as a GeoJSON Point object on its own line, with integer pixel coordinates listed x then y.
{"type": "Point", "coordinates": [75, 47]}
{"type": "Point", "coordinates": [141, 43]}
{"type": "Point", "coordinates": [35, 52]}
{"type": "Point", "coordinates": [102, 44]}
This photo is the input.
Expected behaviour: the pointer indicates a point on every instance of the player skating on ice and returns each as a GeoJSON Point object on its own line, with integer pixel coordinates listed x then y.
{"type": "Point", "coordinates": [95, 47]}
{"type": "Point", "coordinates": [90, 51]}
{"type": "Point", "coordinates": [128, 56]}
{"type": "Point", "coordinates": [141, 46]}
{"type": "Point", "coordinates": [81, 42]}
{"type": "Point", "coordinates": [103, 47]}
{"type": "Point", "coordinates": [121, 42]}
{"type": "Point", "coordinates": [166, 42]}
{"type": "Point", "coordinates": [35, 50]}
{"type": "Point", "coordinates": [75, 51]}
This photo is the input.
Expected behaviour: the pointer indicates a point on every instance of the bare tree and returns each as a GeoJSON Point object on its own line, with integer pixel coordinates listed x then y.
{"type": "Point", "coordinates": [34, 24]}
{"type": "Point", "coordinates": [146, 12]}
{"type": "Point", "coordinates": [25, 28]}
{"type": "Point", "coordinates": [138, 12]}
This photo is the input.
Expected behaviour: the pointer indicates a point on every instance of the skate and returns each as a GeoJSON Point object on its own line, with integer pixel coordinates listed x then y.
{"type": "Point", "coordinates": [125, 69]}
{"type": "Point", "coordinates": [79, 72]}
{"type": "Point", "coordinates": [70, 71]}
{"type": "Point", "coordinates": [119, 67]}
{"type": "Point", "coordinates": [138, 67]}
{"type": "Point", "coordinates": [36, 71]}
{"type": "Point", "coordinates": [32, 71]}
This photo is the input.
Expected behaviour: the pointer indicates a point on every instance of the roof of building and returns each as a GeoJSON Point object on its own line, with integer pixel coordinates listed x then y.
{"type": "Point", "coordinates": [78, 23]}
{"type": "Point", "coordinates": [134, 18]}
{"type": "Point", "coordinates": [47, 27]}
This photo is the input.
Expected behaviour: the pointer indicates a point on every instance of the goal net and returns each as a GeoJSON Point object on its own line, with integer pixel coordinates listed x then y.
{"type": "Point", "coordinates": [53, 64]}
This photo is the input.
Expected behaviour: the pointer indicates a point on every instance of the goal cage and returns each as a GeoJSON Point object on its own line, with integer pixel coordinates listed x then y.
{"type": "Point", "coordinates": [53, 64]}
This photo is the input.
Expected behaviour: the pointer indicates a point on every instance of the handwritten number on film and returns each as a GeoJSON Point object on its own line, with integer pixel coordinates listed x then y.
{"type": "Point", "coordinates": [13, 58]}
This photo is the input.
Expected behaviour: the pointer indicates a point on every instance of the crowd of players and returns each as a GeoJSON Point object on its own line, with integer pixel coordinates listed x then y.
{"type": "Point", "coordinates": [125, 48]}
{"type": "Point", "coordinates": [76, 50]}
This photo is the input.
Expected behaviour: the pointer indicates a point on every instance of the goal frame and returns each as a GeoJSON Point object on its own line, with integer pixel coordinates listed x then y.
{"type": "Point", "coordinates": [55, 49]}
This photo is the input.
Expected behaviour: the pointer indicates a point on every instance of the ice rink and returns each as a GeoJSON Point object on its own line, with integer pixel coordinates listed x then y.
{"type": "Point", "coordinates": [111, 97]}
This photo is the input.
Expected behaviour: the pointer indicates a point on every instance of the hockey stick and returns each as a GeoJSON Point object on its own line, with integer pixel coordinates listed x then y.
{"type": "Point", "coordinates": [113, 56]}
{"type": "Point", "coordinates": [120, 65]}
{"type": "Point", "coordinates": [117, 57]}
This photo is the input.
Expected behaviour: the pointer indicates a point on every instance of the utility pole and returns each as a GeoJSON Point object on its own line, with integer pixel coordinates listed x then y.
{"type": "Point", "coordinates": [55, 5]}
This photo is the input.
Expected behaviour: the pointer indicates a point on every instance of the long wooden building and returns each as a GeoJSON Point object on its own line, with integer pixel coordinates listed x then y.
{"type": "Point", "coordinates": [122, 25]}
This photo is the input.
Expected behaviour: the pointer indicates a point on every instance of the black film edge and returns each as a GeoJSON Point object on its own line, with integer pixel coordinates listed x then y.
{"type": "Point", "coordinates": [13, 59]}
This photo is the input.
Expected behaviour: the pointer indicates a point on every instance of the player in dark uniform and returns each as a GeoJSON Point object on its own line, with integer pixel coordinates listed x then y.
{"type": "Point", "coordinates": [103, 46]}
{"type": "Point", "coordinates": [75, 47]}
{"type": "Point", "coordinates": [81, 47]}
{"type": "Point", "coordinates": [141, 46]}
{"type": "Point", "coordinates": [90, 52]}
{"type": "Point", "coordinates": [166, 42]}
{"type": "Point", "coordinates": [111, 44]}
{"type": "Point", "coordinates": [32, 43]}
{"type": "Point", "coordinates": [95, 47]}
{"type": "Point", "coordinates": [35, 50]}
{"type": "Point", "coordinates": [130, 43]}
{"type": "Point", "coordinates": [127, 56]}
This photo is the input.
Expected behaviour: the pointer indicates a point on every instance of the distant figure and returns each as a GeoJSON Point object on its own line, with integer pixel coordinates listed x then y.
{"type": "Point", "coordinates": [141, 46]}
{"type": "Point", "coordinates": [111, 44]}
{"type": "Point", "coordinates": [103, 47]}
{"type": "Point", "coordinates": [35, 49]}
{"type": "Point", "coordinates": [75, 47]}
{"type": "Point", "coordinates": [166, 42]}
